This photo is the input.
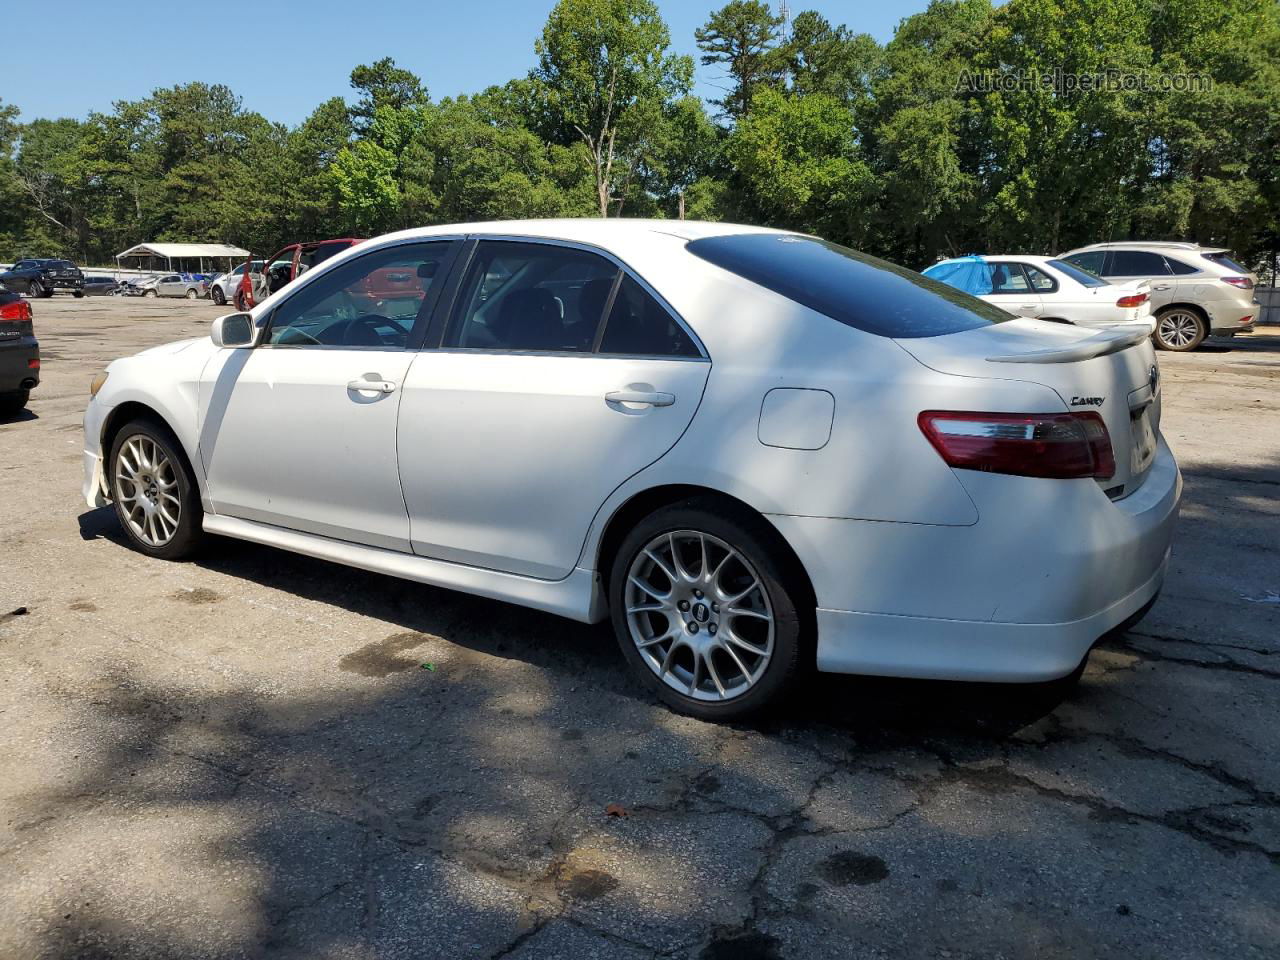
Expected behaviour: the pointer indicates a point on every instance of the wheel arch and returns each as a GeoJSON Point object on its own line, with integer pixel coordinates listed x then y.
{"type": "Point", "coordinates": [644, 502]}
{"type": "Point", "coordinates": [1195, 308]}
{"type": "Point", "coordinates": [128, 411]}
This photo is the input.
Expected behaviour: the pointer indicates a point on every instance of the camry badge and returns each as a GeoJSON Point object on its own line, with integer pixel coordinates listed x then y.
{"type": "Point", "coordinates": [1087, 401]}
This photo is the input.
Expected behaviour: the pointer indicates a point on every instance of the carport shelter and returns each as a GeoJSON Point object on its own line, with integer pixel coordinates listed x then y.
{"type": "Point", "coordinates": [182, 257]}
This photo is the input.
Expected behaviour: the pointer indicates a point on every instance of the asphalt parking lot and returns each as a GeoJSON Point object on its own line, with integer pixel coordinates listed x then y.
{"type": "Point", "coordinates": [246, 756]}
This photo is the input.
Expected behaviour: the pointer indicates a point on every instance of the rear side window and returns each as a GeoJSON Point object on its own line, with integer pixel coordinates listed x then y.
{"type": "Point", "coordinates": [1137, 263]}
{"type": "Point", "coordinates": [640, 326]}
{"type": "Point", "coordinates": [1177, 267]}
{"type": "Point", "coordinates": [859, 291]}
{"type": "Point", "coordinates": [1225, 259]}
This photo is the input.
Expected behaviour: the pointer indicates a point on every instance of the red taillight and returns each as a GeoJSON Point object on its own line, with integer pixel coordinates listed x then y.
{"type": "Point", "coordinates": [20, 310]}
{"type": "Point", "coordinates": [1244, 283]}
{"type": "Point", "coordinates": [1057, 445]}
{"type": "Point", "coordinates": [33, 363]}
{"type": "Point", "coordinates": [1137, 300]}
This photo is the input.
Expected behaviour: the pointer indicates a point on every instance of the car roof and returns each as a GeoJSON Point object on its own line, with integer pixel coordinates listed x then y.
{"type": "Point", "coordinates": [1144, 244]}
{"type": "Point", "coordinates": [587, 229]}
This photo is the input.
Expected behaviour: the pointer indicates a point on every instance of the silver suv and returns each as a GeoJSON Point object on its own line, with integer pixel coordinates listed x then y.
{"type": "Point", "coordinates": [1196, 291]}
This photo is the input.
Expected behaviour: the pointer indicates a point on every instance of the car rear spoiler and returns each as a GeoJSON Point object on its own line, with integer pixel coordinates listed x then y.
{"type": "Point", "coordinates": [1101, 345]}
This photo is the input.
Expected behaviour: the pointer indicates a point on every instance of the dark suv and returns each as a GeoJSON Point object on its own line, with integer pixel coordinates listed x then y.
{"type": "Point", "coordinates": [40, 278]}
{"type": "Point", "coordinates": [19, 353]}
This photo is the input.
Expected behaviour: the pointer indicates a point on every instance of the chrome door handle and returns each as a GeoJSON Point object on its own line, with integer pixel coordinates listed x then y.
{"type": "Point", "coordinates": [371, 386]}
{"type": "Point", "coordinates": [654, 399]}
{"type": "Point", "coordinates": [1030, 306]}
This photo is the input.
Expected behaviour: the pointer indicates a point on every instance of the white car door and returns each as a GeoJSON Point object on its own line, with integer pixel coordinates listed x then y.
{"type": "Point", "coordinates": [300, 431]}
{"type": "Point", "coordinates": [533, 411]}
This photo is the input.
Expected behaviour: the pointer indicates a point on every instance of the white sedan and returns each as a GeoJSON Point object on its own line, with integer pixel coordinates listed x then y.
{"type": "Point", "coordinates": [1045, 287]}
{"type": "Point", "coordinates": [755, 452]}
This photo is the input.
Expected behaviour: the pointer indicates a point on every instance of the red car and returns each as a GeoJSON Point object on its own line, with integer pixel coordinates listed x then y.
{"type": "Point", "coordinates": [285, 266]}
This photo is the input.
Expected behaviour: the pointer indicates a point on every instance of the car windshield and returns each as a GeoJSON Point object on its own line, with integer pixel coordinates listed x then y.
{"type": "Point", "coordinates": [1224, 259]}
{"type": "Point", "coordinates": [1082, 277]}
{"type": "Point", "coordinates": [860, 291]}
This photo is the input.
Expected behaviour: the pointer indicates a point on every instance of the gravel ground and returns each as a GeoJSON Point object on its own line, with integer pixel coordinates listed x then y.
{"type": "Point", "coordinates": [243, 756]}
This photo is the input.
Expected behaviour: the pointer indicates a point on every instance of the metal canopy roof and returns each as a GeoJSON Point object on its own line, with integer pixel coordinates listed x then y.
{"type": "Point", "coordinates": [174, 250]}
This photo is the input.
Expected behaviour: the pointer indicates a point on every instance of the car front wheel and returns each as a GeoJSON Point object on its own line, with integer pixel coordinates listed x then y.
{"type": "Point", "coordinates": [706, 614]}
{"type": "Point", "coordinates": [218, 296]}
{"type": "Point", "coordinates": [1180, 329]}
{"type": "Point", "coordinates": [36, 290]}
{"type": "Point", "coordinates": [150, 293]}
{"type": "Point", "coordinates": [154, 492]}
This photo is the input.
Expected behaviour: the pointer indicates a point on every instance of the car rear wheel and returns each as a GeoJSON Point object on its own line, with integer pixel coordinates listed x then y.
{"type": "Point", "coordinates": [1180, 329]}
{"type": "Point", "coordinates": [242, 301]}
{"type": "Point", "coordinates": [154, 492]}
{"type": "Point", "coordinates": [192, 294]}
{"type": "Point", "coordinates": [14, 401]}
{"type": "Point", "coordinates": [704, 611]}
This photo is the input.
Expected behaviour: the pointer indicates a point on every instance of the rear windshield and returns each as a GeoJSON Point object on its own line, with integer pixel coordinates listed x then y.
{"type": "Point", "coordinates": [1225, 259]}
{"type": "Point", "coordinates": [857, 290]}
{"type": "Point", "coordinates": [1082, 277]}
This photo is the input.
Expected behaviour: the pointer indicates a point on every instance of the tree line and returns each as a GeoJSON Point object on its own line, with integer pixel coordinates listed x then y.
{"type": "Point", "coordinates": [974, 129]}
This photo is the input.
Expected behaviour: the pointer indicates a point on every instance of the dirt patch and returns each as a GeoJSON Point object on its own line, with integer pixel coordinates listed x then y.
{"type": "Point", "coordinates": [84, 606]}
{"type": "Point", "coordinates": [197, 596]}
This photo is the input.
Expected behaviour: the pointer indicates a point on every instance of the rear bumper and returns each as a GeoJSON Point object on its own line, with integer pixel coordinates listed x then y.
{"type": "Point", "coordinates": [1020, 596]}
{"type": "Point", "coordinates": [15, 370]}
{"type": "Point", "coordinates": [1230, 319]}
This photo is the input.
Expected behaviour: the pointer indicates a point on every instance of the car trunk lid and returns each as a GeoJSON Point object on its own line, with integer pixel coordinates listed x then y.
{"type": "Point", "coordinates": [1111, 372]}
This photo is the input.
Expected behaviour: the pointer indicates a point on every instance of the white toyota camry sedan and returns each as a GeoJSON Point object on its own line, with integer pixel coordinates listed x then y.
{"type": "Point", "coordinates": [755, 452]}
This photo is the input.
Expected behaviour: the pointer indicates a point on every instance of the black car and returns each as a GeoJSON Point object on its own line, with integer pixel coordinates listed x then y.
{"type": "Point", "coordinates": [19, 353]}
{"type": "Point", "coordinates": [40, 278]}
{"type": "Point", "coordinates": [99, 286]}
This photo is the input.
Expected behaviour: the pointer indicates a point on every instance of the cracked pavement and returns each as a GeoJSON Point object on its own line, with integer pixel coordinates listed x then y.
{"type": "Point", "coordinates": [243, 756]}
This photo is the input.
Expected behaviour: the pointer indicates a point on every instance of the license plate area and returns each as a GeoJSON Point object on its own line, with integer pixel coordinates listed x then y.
{"type": "Point", "coordinates": [1143, 440]}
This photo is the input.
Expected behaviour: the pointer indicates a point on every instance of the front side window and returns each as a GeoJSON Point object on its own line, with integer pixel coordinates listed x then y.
{"type": "Point", "coordinates": [1082, 277]}
{"type": "Point", "coordinates": [1137, 263]}
{"type": "Point", "coordinates": [531, 296]}
{"type": "Point", "coordinates": [355, 305]}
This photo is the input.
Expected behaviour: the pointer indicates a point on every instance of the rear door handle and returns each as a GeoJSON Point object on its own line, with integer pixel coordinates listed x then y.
{"type": "Point", "coordinates": [1030, 306]}
{"type": "Point", "coordinates": [372, 386]}
{"type": "Point", "coordinates": [653, 398]}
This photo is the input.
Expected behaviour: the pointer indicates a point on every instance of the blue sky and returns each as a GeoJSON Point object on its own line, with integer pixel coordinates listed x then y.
{"type": "Point", "coordinates": [285, 58]}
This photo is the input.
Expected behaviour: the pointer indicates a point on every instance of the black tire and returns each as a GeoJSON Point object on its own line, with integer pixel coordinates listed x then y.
{"type": "Point", "coordinates": [13, 402]}
{"type": "Point", "coordinates": [190, 530]}
{"type": "Point", "coordinates": [765, 551]}
{"type": "Point", "coordinates": [77, 294]}
{"type": "Point", "coordinates": [192, 293]}
{"type": "Point", "coordinates": [242, 301]}
{"type": "Point", "coordinates": [1180, 329]}
{"type": "Point", "coordinates": [218, 296]}
{"type": "Point", "coordinates": [35, 290]}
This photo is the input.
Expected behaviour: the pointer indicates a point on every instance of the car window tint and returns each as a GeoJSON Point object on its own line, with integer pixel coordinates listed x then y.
{"type": "Point", "coordinates": [1090, 262]}
{"type": "Point", "coordinates": [1137, 263]}
{"type": "Point", "coordinates": [1082, 277]}
{"type": "Point", "coordinates": [531, 296]}
{"type": "Point", "coordinates": [852, 288]}
{"type": "Point", "coordinates": [1041, 282]}
{"type": "Point", "coordinates": [1178, 268]}
{"type": "Point", "coordinates": [1225, 260]}
{"type": "Point", "coordinates": [371, 301]}
{"type": "Point", "coordinates": [639, 325]}
{"type": "Point", "coordinates": [1008, 278]}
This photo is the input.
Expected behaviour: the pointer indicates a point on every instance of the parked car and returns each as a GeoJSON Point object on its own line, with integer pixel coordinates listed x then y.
{"type": "Point", "coordinates": [100, 286]}
{"type": "Point", "coordinates": [19, 353]}
{"type": "Point", "coordinates": [284, 267]}
{"type": "Point", "coordinates": [1029, 286]}
{"type": "Point", "coordinates": [223, 287]}
{"type": "Point", "coordinates": [1196, 291]}
{"type": "Point", "coordinates": [167, 285]}
{"type": "Point", "coordinates": [41, 277]}
{"type": "Point", "coordinates": [883, 475]}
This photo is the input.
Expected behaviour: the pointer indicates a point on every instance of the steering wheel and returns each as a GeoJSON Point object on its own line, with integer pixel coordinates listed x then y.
{"type": "Point", "coordinates": [369, 320]}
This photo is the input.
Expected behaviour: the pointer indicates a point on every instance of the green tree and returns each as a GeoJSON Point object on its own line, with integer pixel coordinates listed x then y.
{"type": "Point", "coordinates": [742, 38]}
{"type": "Point", "coordinates": [600, 62]}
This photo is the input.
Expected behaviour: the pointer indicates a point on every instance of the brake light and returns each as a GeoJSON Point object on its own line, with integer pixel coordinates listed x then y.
{"type": "Point", "coordinates": [18, 311]}
{"type": "Point", "coordinates": [33, 363]}
{"type": "Point", "coordinates": [1056, 445]}
{"type": "Point", "coordinates": [1136, 300]}
{"type": "Point", "coordinates": [1244, 283]}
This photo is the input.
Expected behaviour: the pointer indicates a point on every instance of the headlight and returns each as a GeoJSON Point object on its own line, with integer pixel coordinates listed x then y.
{"type": "Point", "coordinates": [97, 383]}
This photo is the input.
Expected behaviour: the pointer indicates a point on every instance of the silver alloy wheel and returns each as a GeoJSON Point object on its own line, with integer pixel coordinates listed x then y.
{"type": "Point", "coordinates": [147, 490]}
{"type": "Point", "coordinates": [1179, 328]}
{"type": "Point", "coordinates": [699, 615]}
